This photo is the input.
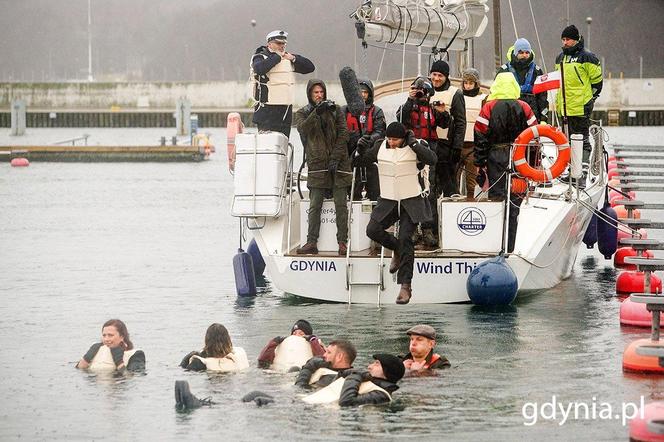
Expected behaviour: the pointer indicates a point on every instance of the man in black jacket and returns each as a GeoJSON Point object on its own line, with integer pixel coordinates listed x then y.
{"type": "Point", "coordinates": [365, 130]}
{"type": "Point", "coordinates": [384, 372]}
{"type": "Point", "coordinates": [273, 71]}
{"type": "Point", "coordinates": [321, 372]}
{"type": "Point", "coordinates": [521, 63]}
{"type": "Point", "coordinates": [402, 199]}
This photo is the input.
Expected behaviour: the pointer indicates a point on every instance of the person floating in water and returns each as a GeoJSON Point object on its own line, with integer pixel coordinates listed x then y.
{"type": "Point", "coordinates": [114, 352]}
{"type": "Point", "coordinates": [218, 354]}
{"type": "Point", "coordinates": [301, 328]}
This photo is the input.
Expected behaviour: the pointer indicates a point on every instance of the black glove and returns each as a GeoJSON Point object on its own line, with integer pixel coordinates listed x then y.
{"type": "Point", "coordinates": [117, 353]}
{"type": "Point", "coordinates": [92, 351]}
{"type": "Point", "coordinates": [332, 167]}
{"type": "Point", "coordinates": [310, 338]}
{"type": "Point", "coordinates": [363, 144]}
{"type": "Point", "coordinates": [410, 138]}
{"type": "Point", "coordinates": [481, 177]}
{"type": "Point", "coordinates": [278, 339]}
{"type": "Point", "coordinates": [317, 362]}
{"type": "Point", "coordinates": [455, 155]}
{"type": "Point", "coordinates": [324, 106]}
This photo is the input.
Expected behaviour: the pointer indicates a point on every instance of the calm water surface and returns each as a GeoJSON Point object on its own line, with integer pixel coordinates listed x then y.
{"type": "Point", "coordinates": [152, 244]}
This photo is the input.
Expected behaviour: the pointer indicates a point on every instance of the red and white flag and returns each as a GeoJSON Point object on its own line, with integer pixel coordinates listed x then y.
{"type": "Point", "coordinates": [547, 82]}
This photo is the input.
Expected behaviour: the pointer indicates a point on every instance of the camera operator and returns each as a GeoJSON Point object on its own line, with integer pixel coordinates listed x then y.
{"type": "Point", "coordinates": [422, 117]}
{"type": "Point", "coordinates": [322, 127]}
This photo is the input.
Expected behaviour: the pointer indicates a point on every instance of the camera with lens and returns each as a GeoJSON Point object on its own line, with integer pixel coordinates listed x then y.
{"type": "Point", "coordinates": [423, 87]}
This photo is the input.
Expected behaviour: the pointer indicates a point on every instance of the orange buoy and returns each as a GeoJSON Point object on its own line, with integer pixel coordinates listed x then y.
{"type": "Point", "coordinates": [624, 252]}
{"type": "Point", "coordinates": [635, 363]}
{"type": "Point", "coordinates": [613, 173]}
{"type": "Point", "coordinates": [647, 424]}
{"type": "Point", "coordinates": [634, 282]}
{"type": "Point", "coordinates": [518, 185]}
{"type": "Point", "coordinates": [234, 126]}
{"type": "Point", "coordinates": [631, 195]}
{"type": "Point", "coordinates": [612, 165]}
{"type": "Point", "coordinates": [635, 314]}
{"type": "Point", "coordinates": [621, 211]}
{"type": "Point", "coordinates": [20, 162]}
{"type": "Point", "coordinates": [520, 147]}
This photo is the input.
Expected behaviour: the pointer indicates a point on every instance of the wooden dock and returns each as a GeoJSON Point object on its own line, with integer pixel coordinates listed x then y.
{"type": "Point", "coordinates": [101, 154]}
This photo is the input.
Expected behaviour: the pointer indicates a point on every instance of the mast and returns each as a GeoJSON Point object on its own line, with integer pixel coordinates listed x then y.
{"type": "Point", "coordinates": [497, 36]}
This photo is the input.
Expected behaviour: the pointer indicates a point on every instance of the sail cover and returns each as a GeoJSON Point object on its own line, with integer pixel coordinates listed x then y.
{"type": "Point", "coordinates": [428, 23]}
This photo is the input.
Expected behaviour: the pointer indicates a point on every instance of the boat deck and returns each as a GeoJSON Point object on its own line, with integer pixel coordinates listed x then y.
{"type": "Point", "coordinates": [369, 253]}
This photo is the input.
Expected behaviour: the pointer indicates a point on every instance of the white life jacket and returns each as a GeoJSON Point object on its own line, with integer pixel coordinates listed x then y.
{"type": "Point", "coordinates": [332, 393]}
{"type": "Point", "coordinates": [398, 173]}
{"type": "Point", "coordinates": [294, 351]}
{"type": "Point", "coordinates": [444, 97]}
{"type": "Point", "coordinates": [315, 377]}
{"type": "Point", "coordinates": [280, 84]}
{"type": "Point", "coordinates": [103, 360]}
{"type": "Point", "coordinates": [234, 361]}
{"type": "Point", "coordinates": [473, 108]}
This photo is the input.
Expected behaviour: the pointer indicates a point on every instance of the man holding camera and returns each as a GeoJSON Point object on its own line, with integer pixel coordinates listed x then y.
{"type": "Point", "coordinates": [322, 127]}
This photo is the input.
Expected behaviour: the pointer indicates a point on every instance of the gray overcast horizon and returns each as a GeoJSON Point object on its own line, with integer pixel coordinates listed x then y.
{"type": "Point", "coordinates": [212, 40]}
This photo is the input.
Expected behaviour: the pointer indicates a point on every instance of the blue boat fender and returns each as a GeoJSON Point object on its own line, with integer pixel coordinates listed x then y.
{"type": "Point", "coordinates": [492, 283]}
{"type": "Point", "coordinates": [590, 237]}
{"type": "Point", "coordinates": [256, 257]}
{"type": "Point", "coordinates": [245, 278]}
{"type": "Point", "coordinates": [607, 231]}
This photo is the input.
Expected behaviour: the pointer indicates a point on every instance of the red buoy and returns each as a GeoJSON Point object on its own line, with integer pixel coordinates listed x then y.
{"type": "Point", "coordinates": [647, 423]}
{"type": "Point", "coordinates": [613, 173]}
{"type": "Point", "coordinates": [635, 314]}
{"type": "Point", "coordinates": [20, 162]}
{"type": "Point", "coordinates": [612, 165]}
{"type": "Point", "coordinates": [622, 253]}
{"type": "Point", "coordinates": [612, 158]}
{"type": "Point", "coordinates": [613, 193]}
{"type": "Point", "coordinates": [634, 282]}
{"type": "Point", "coordinates": [621, 211]}
{"type": "Point", "coordinates": [635, 363]}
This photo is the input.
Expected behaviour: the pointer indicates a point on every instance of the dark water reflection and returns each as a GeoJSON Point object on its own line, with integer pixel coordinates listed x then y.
{"type": "Point", "coordinates": [152, 244]}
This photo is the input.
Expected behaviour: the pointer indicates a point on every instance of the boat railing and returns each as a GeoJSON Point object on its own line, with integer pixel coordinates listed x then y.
{"type": "Point", "coordinates": [73, 141]}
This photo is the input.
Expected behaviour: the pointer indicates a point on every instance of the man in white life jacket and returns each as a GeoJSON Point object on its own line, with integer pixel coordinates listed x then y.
{"type": "Point", "coordinates": [474, 100]}
{"type": "Point", "coordinates": [384, 372]}
{"type": "Point", "coordinates": [321, 372]}
{"type": "Point", "coordinates": [403, 198]}
{"type": "Point", "coordinates": [273, 70]}
{"type": "Point", "coordinates": [302, 328]}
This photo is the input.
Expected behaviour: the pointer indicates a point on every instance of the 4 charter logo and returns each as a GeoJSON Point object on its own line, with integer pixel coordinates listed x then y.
{"type": "Point", "coordinates": [471, 221]}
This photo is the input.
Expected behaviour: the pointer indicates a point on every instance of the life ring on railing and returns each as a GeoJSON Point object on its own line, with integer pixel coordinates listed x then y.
{"type": "Point", "coordinates": [234, 126]}
{"type": "Point", "coordinates": [521, 144]}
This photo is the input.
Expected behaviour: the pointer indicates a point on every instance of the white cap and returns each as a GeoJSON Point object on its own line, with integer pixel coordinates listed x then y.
{"type": "Point", "coordinates": [277, 35]}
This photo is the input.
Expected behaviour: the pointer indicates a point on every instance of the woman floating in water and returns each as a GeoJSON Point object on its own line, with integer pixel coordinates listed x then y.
{"type": "Point", "coordinates": [115, 352]}
{"type": "Point", "coordinates": [218, 354]}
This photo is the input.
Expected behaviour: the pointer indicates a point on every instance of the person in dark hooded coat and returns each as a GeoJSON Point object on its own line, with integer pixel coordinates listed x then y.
{"type": "Point", "coordinates": [365, 130]}
{"type": "Point", "coordinates": [322, 126]}
{"type": "Point", "coordinates": [272, 69]}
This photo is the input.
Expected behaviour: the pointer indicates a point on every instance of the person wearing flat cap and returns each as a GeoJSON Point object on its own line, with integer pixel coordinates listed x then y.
{"type": "Point", "coordinates": [582, 76]}
{"type": "Point", "coordinates": [403, 192]}
{"type": "Point", "coordinates": [302, 328]}
{"type": "Point", "coordinates": [273, 70]}
{"type": "Point", "coordinates": [422, 357]}
{"type": "Point", "coordinates": [375, 385]}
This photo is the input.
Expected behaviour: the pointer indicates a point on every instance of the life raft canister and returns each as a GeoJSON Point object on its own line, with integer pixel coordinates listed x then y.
{"type": "Point", "coordinates": [521, 145]}
{"type": "Point", "coordinates": [234, 126]}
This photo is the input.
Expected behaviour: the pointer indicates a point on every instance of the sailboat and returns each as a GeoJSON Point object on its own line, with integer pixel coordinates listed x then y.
{"type": "Point", "coordinates": [553, 218]}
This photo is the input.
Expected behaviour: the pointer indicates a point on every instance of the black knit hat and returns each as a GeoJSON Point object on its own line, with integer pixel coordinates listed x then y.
{"type": "Point", "coordinates": [440, 66]}
{"type": "Point", "coordinates": [570, 32]}
{"type": "Point", "coordinates": [392, 366]}
{"type": "Point", "coordinates": [395, 130]}
{"type": "Point", "coordinates": [302, 324]}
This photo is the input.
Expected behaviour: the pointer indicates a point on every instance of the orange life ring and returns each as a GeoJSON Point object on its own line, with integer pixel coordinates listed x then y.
{"type": "Point", "coordinates": [519, 156]}
{"type": "Point", "coordinates": [234, 126]}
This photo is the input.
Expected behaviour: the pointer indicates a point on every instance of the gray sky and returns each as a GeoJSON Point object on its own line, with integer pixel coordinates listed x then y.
{"type": "Point", "coordinates": [198, 40]}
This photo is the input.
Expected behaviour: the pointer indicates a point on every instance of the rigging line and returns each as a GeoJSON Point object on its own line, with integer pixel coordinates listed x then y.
{"type": "Point", "coordinates": [399, 28]}
{"type": "Point", "coordinates": [539, 44]}
{"type": "Point", "coordinates": [513, 21]}
{"type": "Point", "coordinates": [380, 66]}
